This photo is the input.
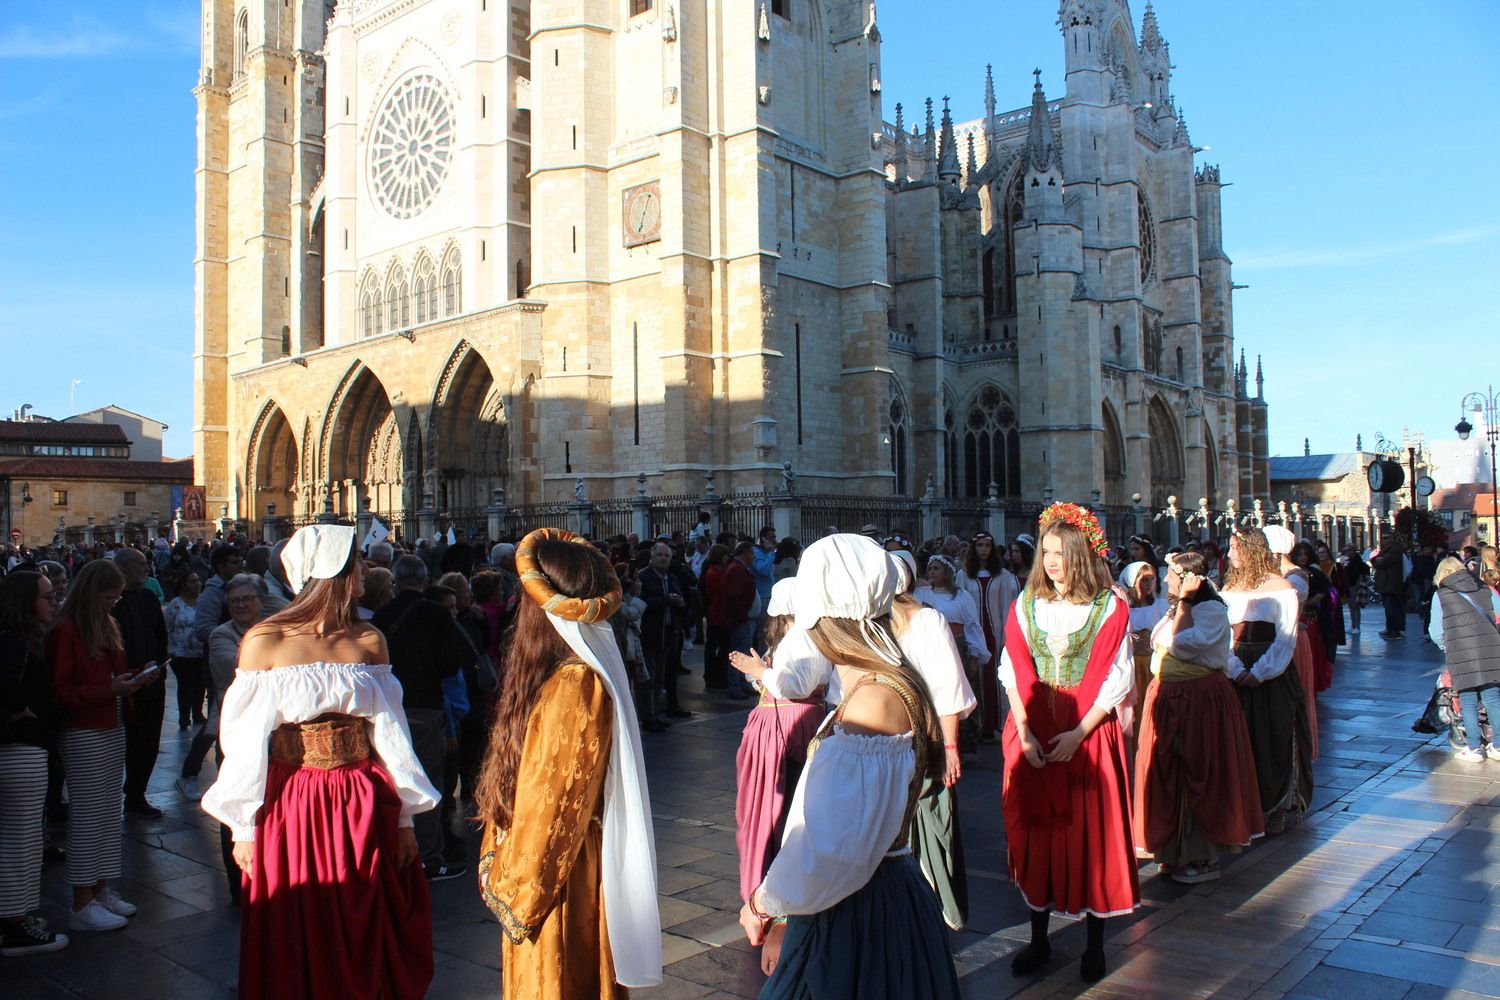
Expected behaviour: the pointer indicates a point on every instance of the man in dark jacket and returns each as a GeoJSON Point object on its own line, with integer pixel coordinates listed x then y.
{"type": "Point", "coordinates": [1389, 564]}
{"type": "Point", "coordinates": [144, 630]}
{"type": "Point", "coordinates": [425, 647]}
{"type": "Point", "coordinates": [661, 635]}
{"type": "Point", "coordinates": [739, 600]}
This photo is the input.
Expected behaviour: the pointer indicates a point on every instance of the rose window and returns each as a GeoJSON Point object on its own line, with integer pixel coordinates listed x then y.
{"type": "Point", "coordinates": [411, 146]}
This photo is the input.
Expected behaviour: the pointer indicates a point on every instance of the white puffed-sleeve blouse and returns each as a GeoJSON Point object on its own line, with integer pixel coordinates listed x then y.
{"type": "Point", "coordinates": [1060, 619]}
{"type": "Point", "coordinates": [1206, 642]}
{"type": "Point", "coordinates": [928, 645]}
{"type": "Point", "coordinates": [259, 701]}
{"type": "Point", "coordinates": [959, 609]}
{"type": "Point", "coordinates": [1279, 607]}
{"type": "Point", "coordinates": [846, 813]}
{"type": "Point", "coordinates": [798, 669]}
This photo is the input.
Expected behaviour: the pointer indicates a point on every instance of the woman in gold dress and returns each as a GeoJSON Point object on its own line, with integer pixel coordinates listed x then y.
{"type": "Point", "coordinates": [571, 879]}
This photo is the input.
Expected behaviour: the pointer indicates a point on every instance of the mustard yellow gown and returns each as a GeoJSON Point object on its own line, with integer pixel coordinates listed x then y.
{"type": "Point", "coordinates": [542, 877]}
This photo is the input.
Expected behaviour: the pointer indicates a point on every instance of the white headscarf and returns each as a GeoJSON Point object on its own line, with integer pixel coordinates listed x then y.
{"type": "Point", "coordinates": [628, 864]}
{"type": "Point", "coordinates": [1131, 573]}
{"type": "Point", "coordinates": [1280, 540]}
{"type": "Point", "coordinates": [848, 576]}
{"type": "Point", "coordinates": [317, 552]}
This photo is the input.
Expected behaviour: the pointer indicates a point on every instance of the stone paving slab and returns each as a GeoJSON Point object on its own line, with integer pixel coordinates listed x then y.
{"type": "Point", "coordinates": [1388, 889]}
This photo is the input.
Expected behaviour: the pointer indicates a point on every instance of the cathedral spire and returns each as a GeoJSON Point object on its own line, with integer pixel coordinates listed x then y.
{"type": "Point", "coordinates": [989, 93]}
{"type": "Point", "coordinates": [1260, 381]}
{"type": "Point", "coordinates": [1040, 149]}
{"type": "Point", "coordinates": [931, 151]}
{"type": "Point", "coordinates": [973, 165]}
{"type": "Point", "coordinates": [1151, 39]}
{"type": "Point", "coordinates": [1180, 135]}
{"type": "Point", "coordinates": [948, 160]}
{"type": "Point", "coordinates": [900, 158]}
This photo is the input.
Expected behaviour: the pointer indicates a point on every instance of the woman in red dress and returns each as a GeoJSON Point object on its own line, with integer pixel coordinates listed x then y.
{"type": "Point", "coordinates": [335, 904]}
{"type": "Point", "coordinates": [1068, 663]}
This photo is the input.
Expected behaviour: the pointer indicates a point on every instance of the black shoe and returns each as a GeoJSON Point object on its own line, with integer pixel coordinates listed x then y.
{"type": "Point", "coordinates": [29, 936]}
{"type": "Point", "coordinates": [1091, 966]}
{"type": "Point", "coordinates": [679, 713]}
{"type": "Point", "coordinates": [1390, 635]}
{"type": "Point", "coordinates": [140, 807]}
{"type": "Point", "coordinates": [1030, 958]}
{"type": "Point", "coordinates": [443, 872]}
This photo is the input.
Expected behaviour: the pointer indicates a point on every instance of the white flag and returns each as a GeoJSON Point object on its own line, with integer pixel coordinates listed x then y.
{"type": "Point", "coordinates": [452, 538]}
{"type": "Point", "coordinates": [378, 533]}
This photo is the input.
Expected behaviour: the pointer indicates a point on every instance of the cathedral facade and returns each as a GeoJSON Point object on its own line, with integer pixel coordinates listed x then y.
{"type": "Point", "coordinates": [452, 246]}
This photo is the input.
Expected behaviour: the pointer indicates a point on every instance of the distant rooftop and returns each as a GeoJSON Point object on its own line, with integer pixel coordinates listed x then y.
{"type": "Point", "coordinates": [1315, 467]}
{"type": "Point", "coordinates": [61, 432]}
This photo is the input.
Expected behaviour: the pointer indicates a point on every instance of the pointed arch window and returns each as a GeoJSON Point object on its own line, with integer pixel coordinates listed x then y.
{"type": "Point", "coordinates": [1012, 211]}
{"type": "Point", "coordinates": [950, 449]}
{"type": "Point", "coordinates": [991, 445]}
{"type": "Point", "coordinates": [1146, 234]}
{"type": "Point", "coordinates": [425, 289]}
{"type": "Point", "coordinates": [397, 300]}
{"type": "Point", "coordinates": [370, 316]}
{"type": "Point", "coordinates": [452, 283]}
{"type": "Point", "coordinates": [241, 44]}
{"type": "Point", "coordinates": [898, 435]}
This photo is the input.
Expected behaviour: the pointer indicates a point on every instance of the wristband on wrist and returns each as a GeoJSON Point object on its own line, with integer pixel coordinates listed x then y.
{"type": "Point", "coordinates": [950, 746]}
{"type": "Point", "coordinates": [755, 909]}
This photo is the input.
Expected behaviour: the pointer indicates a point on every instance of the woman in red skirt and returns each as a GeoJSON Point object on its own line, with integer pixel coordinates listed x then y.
{"type": "Point", "coordinates": [335, 905]}
{"type": "Point", "coordinates": [1195, 785]}
{"type": "Point", "coordinates": [1068, 663]}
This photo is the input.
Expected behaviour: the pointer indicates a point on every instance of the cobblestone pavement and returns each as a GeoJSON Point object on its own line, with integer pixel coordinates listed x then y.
{"type": "Point", "coordinates": [1387, 889]}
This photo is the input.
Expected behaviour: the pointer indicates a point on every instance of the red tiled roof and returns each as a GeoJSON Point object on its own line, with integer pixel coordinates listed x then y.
{"type": "Point", "coordinates": [1461, 497]}
{"type": "Point", "coordinates": [60, 432]}
{"type": "Point", "coordinates": [1484, 503]}
{"type": "Point", "coordinates": [98, 468]}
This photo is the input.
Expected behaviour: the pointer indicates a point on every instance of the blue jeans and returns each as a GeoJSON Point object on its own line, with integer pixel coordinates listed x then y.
{"type": "Point", "coordinates": [741, 638]}
{"type": "Point", "coordinates": [1469, 702]}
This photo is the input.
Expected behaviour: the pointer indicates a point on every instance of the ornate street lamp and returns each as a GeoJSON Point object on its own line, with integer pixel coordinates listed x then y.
{"type": "Point", "coordinates": [1486, 404]}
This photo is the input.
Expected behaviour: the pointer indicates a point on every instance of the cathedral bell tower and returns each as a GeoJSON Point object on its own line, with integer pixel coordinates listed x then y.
{"type": "Point", "coordinates": [1057, 350]}
{"type": "Point", "coordinates": [260, 154]}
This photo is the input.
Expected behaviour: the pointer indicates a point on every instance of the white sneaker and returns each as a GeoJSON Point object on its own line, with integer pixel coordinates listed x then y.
{"type": "Point", "coordinates": [95, 917]}
{"type": "Point", "coordinates": [188, 789]}
{"type": "Point", "coordinates": [112, 902]}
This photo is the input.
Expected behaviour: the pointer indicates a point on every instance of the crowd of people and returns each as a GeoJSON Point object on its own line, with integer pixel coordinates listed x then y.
{"type": "Point", "coordinates": [372, 709]}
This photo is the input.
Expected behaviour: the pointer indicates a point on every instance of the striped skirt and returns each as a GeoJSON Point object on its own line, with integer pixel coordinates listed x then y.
{"type": "Point", "coordinates": [94, 765]}
{"type": "Point", "coordinates": [23, 794]}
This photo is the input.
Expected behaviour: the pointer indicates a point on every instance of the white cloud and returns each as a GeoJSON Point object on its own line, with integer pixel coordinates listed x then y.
{"type": "Point", "coordinates": [1348, 256]}
{"type": "Point", "coordinates": [30, 105]}
{"type": "Point", "coordinates": [84, 39]}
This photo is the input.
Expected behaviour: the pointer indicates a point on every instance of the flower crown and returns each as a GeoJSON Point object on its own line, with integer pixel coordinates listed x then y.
{"type": "Point", "coordinates": [1079, 517]}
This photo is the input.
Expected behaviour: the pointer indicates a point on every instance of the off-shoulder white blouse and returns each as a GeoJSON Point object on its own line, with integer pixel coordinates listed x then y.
{"type": "Point", "coordinates": [847, 812]}
{"type": "Point", "coordinates": [1060, 619]}
{"type": "Point", "coordinates": [1280, 607]}
{"type": "Point", "coordinates": [261, 700]}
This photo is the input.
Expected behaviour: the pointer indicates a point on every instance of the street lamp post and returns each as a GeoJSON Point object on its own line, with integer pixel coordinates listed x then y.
{"type": "Point", "coordinates": [1486, 404]}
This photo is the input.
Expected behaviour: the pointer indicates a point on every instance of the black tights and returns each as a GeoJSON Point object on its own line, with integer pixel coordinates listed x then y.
{"type": "Point", "coordinates": [1036, 954]}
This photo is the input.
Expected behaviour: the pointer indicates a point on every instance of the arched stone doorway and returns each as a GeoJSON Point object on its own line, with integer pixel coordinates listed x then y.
{"type": "Point", "coordinates": [1114, 457]}
{"type": "Point", "coordinates": [468, 433]}
{"type": "Point", "coordinates": [362, 448]}
{"type": "Point", "coordinates": [1166, 456]}
{"type": "Point", "coordinates": [273, 464]}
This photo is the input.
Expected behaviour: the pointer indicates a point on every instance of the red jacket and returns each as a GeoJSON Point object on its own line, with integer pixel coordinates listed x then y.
{"type": "Point", "coordinates": [737, 594]}
{"type": "Point", "coordinates": [81, 682]}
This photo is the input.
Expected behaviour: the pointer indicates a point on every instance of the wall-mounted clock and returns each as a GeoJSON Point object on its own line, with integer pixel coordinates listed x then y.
{"type": "Point", "coordinates": [640, 216]}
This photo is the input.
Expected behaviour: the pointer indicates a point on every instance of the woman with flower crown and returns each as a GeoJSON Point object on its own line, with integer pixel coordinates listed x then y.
{"type": "Point", "coordinates": [1068, 663]}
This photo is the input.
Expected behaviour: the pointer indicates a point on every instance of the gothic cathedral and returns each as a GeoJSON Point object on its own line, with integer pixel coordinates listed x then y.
{"type": "Point", "coordinates": [449, 247]}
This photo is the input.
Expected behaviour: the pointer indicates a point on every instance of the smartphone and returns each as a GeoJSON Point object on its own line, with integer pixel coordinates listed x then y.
{"type": "Point", "coordinates": [149, 672]}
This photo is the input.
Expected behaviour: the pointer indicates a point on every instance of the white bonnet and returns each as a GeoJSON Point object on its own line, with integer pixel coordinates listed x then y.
{"type": "Point", "coordinates": [317, 552]}
{"type": "Point", "coordinates": [783, 598]}
{"type": "Point", "coordinates": [1280, 540]}
{"type": "Point", "coordinates": [844, 576]}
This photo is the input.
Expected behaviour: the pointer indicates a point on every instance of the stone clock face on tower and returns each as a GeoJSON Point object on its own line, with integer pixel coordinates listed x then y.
{"type": "Point", "coordinates": [641, 218]}
{"type": "Point", "coordinates": [411, 146]}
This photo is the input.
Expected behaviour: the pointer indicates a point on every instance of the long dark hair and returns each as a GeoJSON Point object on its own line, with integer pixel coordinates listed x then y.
{"type": "Point", "coordinates": [323, 606]}
{"type": "Point", "coordinates": [83, 610]}
{"type": "Point", "coordinates": [18, 596]}
{"type": "Point", "coordinates": [535, 652]}
{"type": "Point", "coordinates": [995, 563]}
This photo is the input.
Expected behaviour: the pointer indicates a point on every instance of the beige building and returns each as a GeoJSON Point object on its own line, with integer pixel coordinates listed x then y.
{"type": "Point", "coordinates": [83, 479]}
{"type": "Point", "coordinates": [448, 247]}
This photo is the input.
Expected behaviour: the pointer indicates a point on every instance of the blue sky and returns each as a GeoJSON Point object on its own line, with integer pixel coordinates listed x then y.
{"type": "Point", "coordinates": [1359, 137]}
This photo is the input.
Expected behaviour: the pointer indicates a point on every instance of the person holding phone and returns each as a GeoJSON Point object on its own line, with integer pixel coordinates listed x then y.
{"type": "Point", "coordinates": [91, 681]}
